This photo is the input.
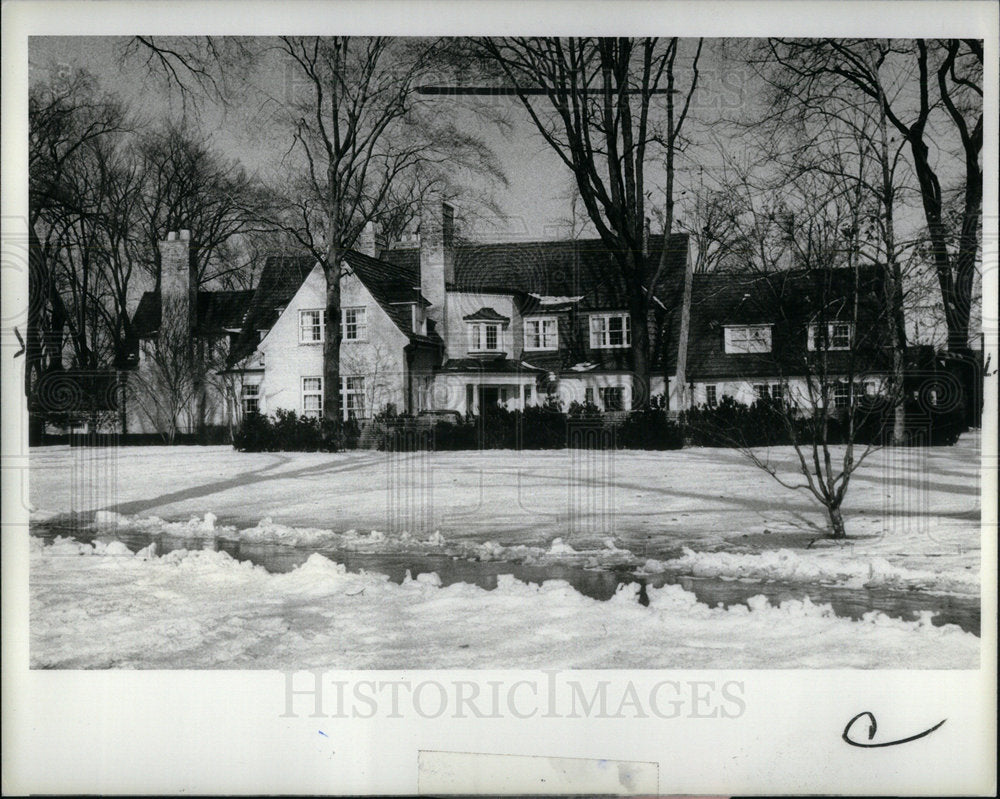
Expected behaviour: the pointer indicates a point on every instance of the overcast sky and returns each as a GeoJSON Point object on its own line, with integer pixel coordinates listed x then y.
{"type": "Point", "coordinates": [535, 200]}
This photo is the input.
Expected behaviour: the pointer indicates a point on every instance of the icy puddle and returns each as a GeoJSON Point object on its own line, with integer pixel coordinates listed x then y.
{"type": "Point", "coordinates": [599, 584]}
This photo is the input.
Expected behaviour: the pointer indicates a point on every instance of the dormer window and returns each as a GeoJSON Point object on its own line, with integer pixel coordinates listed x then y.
{"type": "Point", "coordinates": [610, 331]}
{"type": "Point", "coordinates": [484, 337]}
{"type": "Point", "coordinates": [746, 339]}
{"type": "Point", "coordinates": [837, 336]}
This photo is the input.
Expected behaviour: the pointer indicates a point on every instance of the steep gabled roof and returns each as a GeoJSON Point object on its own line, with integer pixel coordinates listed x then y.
{"type": "Point", "coordinates": [392, 286]}
{"type": "Point", "coordinates": [280, 278]}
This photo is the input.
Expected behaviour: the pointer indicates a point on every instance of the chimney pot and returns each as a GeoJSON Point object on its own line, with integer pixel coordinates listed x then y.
{"type": "Point", "coordinates": [185, 235]}
{"type": "Point", "coordinates": [171, 236]}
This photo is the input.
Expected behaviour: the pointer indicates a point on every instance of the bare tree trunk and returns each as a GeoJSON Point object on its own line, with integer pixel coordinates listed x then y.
{"type": "Point", "coordinates": [836, 522]}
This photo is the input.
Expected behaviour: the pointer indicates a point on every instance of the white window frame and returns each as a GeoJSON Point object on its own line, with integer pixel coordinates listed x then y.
{"type": "Point", "coordinates": [311, 326]}
{"type": "Point", "coordinates": [479, 337]}
{"type": "Point", "coordinates": [600, 331]}
{"type": "Point", "coordinates": [357, 392]}
{"type": "Point", "coordinates": [541, 329]}
{"type": "Point", "coordinates": [711, 395]}
{"type": "Point", "coordinates": [747, 339]}
{"type": "Point", "coordinates": [778, 392]}
{"type": "Point", "coordinates": [310, 392]}
{"type": "Point", "coordinates": [830, 345]}
{"type": "Point", "coordinates": [250, 392]}
{"type": "Point", "coordinates": [360, 323]}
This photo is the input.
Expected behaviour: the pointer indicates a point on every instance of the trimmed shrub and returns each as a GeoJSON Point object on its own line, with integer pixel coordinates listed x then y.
{"type": "Point", "coordinates": [286, 431]}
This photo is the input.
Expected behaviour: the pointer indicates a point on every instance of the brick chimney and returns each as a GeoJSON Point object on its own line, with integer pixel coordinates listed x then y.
{"type": "Point", "coordinates": [437, 258]}
{"type": "Point", "coordinates": [178, 285]}
{"type": "Point", "coordinates": [371, 242]}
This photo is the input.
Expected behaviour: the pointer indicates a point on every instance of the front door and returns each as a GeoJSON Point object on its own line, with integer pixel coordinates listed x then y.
{"type": "Point", "coordinates": [489, 397]}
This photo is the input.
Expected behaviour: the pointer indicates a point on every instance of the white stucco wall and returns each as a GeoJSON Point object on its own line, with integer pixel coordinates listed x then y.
{"type": "Point", "coordinates": [380, 359]}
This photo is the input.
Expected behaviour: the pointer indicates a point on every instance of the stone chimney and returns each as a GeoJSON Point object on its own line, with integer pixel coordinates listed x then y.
{"type": "Point", "coordinates": [437, 258]}
{"type": "Point", "coordinates": [371, 242]}
{"type": "Point", "coordinates": [178, 286]}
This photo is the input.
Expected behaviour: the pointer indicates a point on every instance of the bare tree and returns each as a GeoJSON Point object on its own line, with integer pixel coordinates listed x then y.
{"type": "Point", "coordinates": [363, 151]}
{"type": "Point", "coordinates": [828, 345]}
{"type": "Point", "coordinates": [600, 113]}
{"type": "Point", "coordinates": [937, 88]}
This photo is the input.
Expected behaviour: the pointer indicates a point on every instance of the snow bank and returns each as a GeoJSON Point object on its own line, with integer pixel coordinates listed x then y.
{"type": "Point", "coordinates": [814, 566]}
{"type": "Point", "coordinates": [95, 606]}
{"type": "Point", "coordinates": [821, 567]}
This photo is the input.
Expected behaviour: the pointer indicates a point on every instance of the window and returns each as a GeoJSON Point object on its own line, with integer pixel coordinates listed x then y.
{"type": "Point", "coordinates": [527, 395]}
{"type": "Point", "coordinates": [711, 396]}
{"type": "Point", "coordinates": [312, 325]}
{"type": "Point", "coordinates": [251, 398]}
{"type": "Point", "coordinates": [355, 324]}
{"type": "Point", "coordinates": [610, 330]}
{"type": "Point", "coordinates": [777, 392]}
{"type": "Point", "coordinates": [745, 339]}
{"type": "Point", "coordinates": [761, 391]}
{"type": "Point", "coordinates": [841, 395]}
{"type": "Point", "coordinates": [352, 397]}
{"type": "Point", "coordinates": [312, 396]}
{"type": "Point", "coordinates": [484, 338]}
{"type": "Point", "coordinates": [838, 336]}
{"type": "Point", "coordinates": [613, 398]}
{"type": "Point", "coordinates": [588, 395]}
{"type": "Point", "coordinates": [541, 334]}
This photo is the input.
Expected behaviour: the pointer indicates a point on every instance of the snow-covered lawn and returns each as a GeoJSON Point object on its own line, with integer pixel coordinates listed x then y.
{"type": "Point", "coordinates": [913, 517]}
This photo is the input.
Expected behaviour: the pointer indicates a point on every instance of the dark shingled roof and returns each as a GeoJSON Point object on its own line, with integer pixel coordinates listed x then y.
{"type": "Point", "coordinates": [486, 314]}
{"type": "Point", "coordinates": [218, 312]}
{"type": "Point", "coordinates": [790, 301]}
{"type": "Point", "coordinates": [568, 268]}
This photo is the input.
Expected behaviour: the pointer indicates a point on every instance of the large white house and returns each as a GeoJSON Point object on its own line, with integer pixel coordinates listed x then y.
{"type": "Point", "coordinates": [433, 324]}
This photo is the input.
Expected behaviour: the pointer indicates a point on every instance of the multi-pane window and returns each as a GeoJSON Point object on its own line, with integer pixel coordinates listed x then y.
{"type": "Point", "coordinates": [761, 391]}
{"type": "Point", "coordinates": [312, 396]}
{"type": "Point", "coordinates": [841, 395]}
{"type": "Point", "coordinates": [711, 396]}
{"type": "Point", "coordinates": [352, 397]}
{"type": "Point", "coordinates": [834, 336]}
{"type": "Point", "coordinates": [312, 326]}
{"type": "Point", "coordinates": [777, 392]}
{"type": "Point", "coordinates": [527, 395]}
{"type": "Point", "coordinates": [613, 398]}
{"type": "Point", "coordinates": [588, 395]}
{"type": "Point", "coordinates": [610, 330]}
{"type": "Point", "coordinates": [541, 334]}
{"type": "Point", "coordinates": [742, 339]}
{"type": "Point", "coordinates": [251, 398]}
{"type": "Point", "coordinates": [355, 324]}
{"type": "Point", "coordinates": [484, 337]}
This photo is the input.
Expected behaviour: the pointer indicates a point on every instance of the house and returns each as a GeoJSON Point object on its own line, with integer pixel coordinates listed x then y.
{"type": "Point", "coordinates": [432, 323]}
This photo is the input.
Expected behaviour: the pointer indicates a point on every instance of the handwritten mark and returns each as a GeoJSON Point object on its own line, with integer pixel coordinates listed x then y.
{"type": "Point", "coordinates": [873, 727]}
{"type": "Point", "coordinates": [323, 734]}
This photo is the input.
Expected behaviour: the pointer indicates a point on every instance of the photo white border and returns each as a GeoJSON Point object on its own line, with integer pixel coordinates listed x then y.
{"type": "Point", "coordinates": [157, 731]}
